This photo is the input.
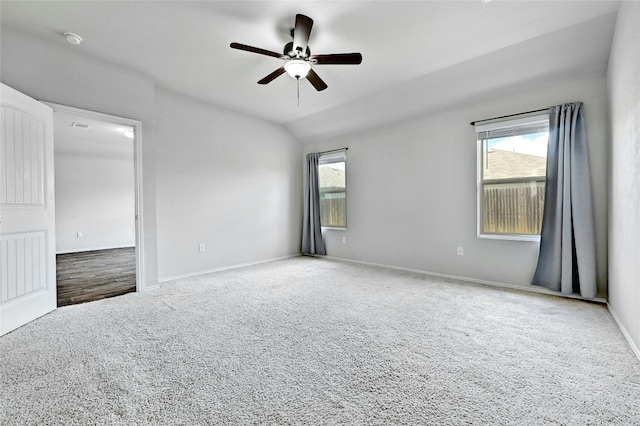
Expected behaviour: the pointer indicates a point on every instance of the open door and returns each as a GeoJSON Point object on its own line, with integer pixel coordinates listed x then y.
{"type": "Point", "coordinates": [27, 211]}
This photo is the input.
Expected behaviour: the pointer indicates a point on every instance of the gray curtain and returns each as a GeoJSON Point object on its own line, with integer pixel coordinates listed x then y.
{"type": "Point", "coordinates": [567, 260]}
{"type": "Point", "coordinates": [312, 242]}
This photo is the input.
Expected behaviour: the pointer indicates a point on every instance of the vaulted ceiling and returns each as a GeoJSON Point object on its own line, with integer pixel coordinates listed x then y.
{"type": "Point", "coordinates": [417, 55]}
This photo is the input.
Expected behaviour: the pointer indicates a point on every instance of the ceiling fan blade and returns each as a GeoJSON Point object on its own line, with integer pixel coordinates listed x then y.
{"type": "Point", "coordinates": [316, 81]}
{"type": "Point", "coordinates": [301, 33]}
{"type": "Point", "coordinates": [272, 76]}
{"type": "Point", "coordinates": [337, 59]}
{"type": "Point", "coordinates": [244, 47]}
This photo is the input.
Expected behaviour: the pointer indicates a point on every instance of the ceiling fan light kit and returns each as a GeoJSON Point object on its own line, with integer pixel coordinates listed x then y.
{"type": "Point", "coordinates": [298, 59]}
{"type": "Point", "coordinates": [297, 68]}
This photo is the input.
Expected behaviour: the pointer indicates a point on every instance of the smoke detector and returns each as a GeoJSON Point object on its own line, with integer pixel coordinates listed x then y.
{"type": "Point", "coordinates": [80, 125]}
{"type": "Point", "coordinates": [72, 38]}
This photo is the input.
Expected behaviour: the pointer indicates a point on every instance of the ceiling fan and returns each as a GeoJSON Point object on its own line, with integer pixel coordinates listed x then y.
{"type": "Point", "coordinates": [298, 58]}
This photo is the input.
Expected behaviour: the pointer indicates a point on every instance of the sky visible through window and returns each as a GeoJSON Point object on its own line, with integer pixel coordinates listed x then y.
{"type": "Point", "coordinates": [338, 166]}
{"type": "Point", "coordinates": [532, 144]}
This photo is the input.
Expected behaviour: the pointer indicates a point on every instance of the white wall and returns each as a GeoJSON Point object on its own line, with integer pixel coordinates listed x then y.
{"type": "Point", "coordinates": [95, 195]}
{"type": "Point", "coordinates": [624, 226]}
{"type": "Point", "coordinates": [411, 188]}
{"type": "Point", "coordinates": [58, 72]}
{"type": "Point", "coordinates": [225, 180]}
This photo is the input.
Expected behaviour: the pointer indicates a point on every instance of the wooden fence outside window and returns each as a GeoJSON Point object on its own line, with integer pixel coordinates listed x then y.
{"type": "Point", "coordinates": [513, 207]}
{"type": "Point", "coordinates": [333, 208]}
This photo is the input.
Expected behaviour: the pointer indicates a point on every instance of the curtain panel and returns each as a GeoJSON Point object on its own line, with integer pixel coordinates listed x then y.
{"type": "Point", "coordinates": [312, 243]}
{"type": "Point", "coordinates": [567, 259]}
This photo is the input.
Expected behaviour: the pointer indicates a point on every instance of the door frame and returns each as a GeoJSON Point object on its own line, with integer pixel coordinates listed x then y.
{"type": "Point", "coordinates": [137, 173]}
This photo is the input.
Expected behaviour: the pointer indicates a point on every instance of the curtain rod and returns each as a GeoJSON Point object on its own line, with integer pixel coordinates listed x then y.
{"type": "Point", "coordinates": [473, 123]}
{"type": "Point", "coordinates": [333, 150]}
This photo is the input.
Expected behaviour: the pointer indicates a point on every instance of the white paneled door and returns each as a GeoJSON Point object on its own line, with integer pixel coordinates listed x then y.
{"type": "Point", "coordinates": [27, 211]}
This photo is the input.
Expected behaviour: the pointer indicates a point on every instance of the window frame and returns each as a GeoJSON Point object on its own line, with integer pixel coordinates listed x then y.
{"type": "Point", "coordinates": [338, 156]}
{"type": "Point", "coordinates": [512, 123]}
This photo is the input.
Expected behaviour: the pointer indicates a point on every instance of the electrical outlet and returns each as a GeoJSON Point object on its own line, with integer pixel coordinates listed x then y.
{"type": "Point", "coordinates": [201, 248]}
{"type": "Point", "coordinates": [460, 251]}
{"type": "Point", "coordinates": [344, 240]}
{"type": "Point", "coordinates": [79, 234]}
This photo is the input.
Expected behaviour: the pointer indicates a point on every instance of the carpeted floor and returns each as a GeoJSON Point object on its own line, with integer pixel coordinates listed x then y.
{"type": "Point", "coordinates": [315, 341]}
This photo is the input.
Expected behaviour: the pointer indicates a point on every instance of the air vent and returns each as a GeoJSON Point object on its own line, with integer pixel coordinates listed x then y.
{"type": "Point", "coordinates": [80, 125]}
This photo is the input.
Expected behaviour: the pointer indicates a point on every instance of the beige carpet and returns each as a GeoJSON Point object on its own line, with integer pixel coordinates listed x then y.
{"type": "Point", "coordinates": [315, 341]}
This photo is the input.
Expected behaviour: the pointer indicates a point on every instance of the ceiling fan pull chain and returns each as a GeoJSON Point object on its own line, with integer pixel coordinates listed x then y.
{"type": "Point", "coordinates": [298, 88]}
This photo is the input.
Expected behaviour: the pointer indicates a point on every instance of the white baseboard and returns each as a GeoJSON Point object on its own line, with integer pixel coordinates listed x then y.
{"type": "Point", "coordinates": [530, 288]}
{"type": "Point", "coordinates": [624, 331]}
{"type": "Point", "coordinates": [149, 288]}
{"type": "Point", "coordinates": [224, 268]}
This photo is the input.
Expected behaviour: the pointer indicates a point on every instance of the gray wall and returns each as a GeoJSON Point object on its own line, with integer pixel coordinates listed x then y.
{"type": "Point", "coordinates": [225, 180]}
{"type": "Point", "coordinates": [411, 188]}
{"type": "Point", "coordinates": [229, 181]}
{"type": "Point", "coordinates": [58, 73]}
{"type": "Point", "coordinates": [95, 195]}
{"type": "Point", "coordinates": [624, 226]}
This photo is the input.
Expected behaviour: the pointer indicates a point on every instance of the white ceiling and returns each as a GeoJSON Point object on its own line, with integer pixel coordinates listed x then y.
{"type": "Point", "coordinates": [101, 139]}
{"type": "Point", "coordinates": [417, 55]}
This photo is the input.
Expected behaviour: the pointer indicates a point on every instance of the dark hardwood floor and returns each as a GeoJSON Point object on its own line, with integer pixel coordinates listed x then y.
{"type": "Point", "coordinates": [93, 275]}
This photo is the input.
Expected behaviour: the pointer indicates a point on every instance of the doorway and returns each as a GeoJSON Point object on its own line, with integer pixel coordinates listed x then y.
{"type": "Point", "coordinates": [97, 190]}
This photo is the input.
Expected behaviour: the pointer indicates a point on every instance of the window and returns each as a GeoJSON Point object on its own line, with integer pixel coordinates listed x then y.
{"type": "Point", "coordinates": [333, 189]}
{"type": "Point", "coordinates": [512, 164]}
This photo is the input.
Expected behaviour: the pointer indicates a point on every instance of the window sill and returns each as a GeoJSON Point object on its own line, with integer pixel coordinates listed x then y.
{"type": "Point", "coordinates": [337, 228]}
{"type": "Point", "coordinates": [510, 237]}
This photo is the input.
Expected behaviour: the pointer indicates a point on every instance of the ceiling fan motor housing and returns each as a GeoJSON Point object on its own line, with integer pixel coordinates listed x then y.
{"type": "Point", "coordinates": [289, 51]}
